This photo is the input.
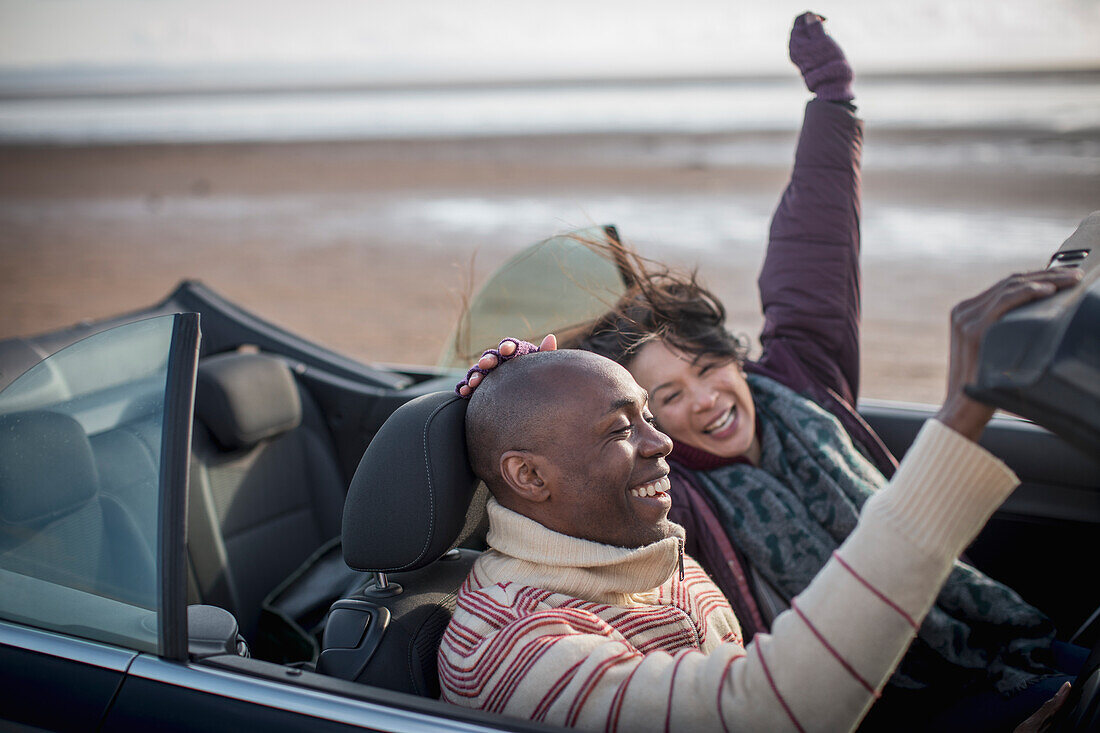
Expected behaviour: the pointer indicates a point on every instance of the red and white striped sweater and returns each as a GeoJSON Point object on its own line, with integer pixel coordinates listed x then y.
{"type": "Point", "coordinates": [572, 632]}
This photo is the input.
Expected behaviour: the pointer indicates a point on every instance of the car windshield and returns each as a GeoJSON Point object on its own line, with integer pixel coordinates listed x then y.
{"type": "Point", "coordinates": [80, 453]}
{"type": "Point", "coordinates": [548, 286]}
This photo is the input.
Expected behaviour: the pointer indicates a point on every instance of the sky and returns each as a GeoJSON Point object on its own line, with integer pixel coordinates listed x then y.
{"type": "Point", "coordinates": [433, 40]}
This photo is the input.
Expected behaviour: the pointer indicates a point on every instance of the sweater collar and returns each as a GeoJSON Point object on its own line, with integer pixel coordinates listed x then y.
{"type": "Point", "coordinates": [524, 551]}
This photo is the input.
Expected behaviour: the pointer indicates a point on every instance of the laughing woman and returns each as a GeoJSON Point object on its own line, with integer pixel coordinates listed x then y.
{"type": "Point", "coordinates": [772, 463]}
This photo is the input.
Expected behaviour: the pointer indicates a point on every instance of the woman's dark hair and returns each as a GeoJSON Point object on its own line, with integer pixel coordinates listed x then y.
{"type": "Point", "coordinates": [659, 303]}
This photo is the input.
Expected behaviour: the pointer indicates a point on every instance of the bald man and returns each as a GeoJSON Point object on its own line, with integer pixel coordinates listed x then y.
{"type": "Point", "coordinates": [524, 435]}
{"type": "Point", "coordinates": [585, 611]}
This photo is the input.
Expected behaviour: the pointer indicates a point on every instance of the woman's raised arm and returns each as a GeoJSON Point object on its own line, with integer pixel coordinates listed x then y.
{"type": "Point", "coordinates": [810, 282]}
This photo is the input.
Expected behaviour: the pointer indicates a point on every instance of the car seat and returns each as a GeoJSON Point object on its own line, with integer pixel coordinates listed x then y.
{"type": "Point", "coordinates": [265, 493]}
{"type": "Point", "coordinates": [413, 499]}
{"type": "Point", "coordinates": [55, 521]}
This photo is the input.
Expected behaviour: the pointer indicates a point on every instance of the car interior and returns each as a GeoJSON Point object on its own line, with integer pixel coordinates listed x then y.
{"type": "Point", "coordinates": [265, 490]}
{"type": "Point", "coordinates": [332, 513]}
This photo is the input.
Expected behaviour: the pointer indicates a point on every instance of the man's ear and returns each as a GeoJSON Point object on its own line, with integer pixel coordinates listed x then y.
{"type": "Point", "coordinates": [524, 472]}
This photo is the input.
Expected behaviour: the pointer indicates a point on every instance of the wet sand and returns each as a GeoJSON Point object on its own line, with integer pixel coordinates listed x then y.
{"type": "Point", "coordinates": [286, 231]}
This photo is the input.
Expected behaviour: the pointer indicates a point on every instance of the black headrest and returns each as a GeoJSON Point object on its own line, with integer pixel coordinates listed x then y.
{"type": "Point", "coordinates": [244, 398]}
{"type": "Point", "coordinates": [408, 499]}
{"type": "Point", "coordinates": [47, 468]}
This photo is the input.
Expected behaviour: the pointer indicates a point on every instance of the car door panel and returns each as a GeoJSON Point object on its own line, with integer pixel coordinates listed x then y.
{"type": "Point", "coordinates": [235, 693]}
{"type": "Point", "coordinates": [53, 682]}
{"type": "Point", "coordinates": [1053, 518]}
{"type": "Point", "coordinates": [189, 704]}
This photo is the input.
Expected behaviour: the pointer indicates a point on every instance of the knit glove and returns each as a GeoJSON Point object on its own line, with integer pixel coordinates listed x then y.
{"type": "Point", "coordinates": [819, 58]}
{"type": "Point", "coordinates": [509, 348]}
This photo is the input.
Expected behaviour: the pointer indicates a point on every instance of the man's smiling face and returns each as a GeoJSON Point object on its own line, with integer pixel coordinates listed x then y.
{"type": "Point", "coordinates": [605, 468]}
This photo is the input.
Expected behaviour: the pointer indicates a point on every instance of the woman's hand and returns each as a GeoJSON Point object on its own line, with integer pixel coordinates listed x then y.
{"type": "Point", "coordinates": [508, 348]}
{"type": "Point", "coordinates": [970, 320]}
{"type": "Point", "coordinates": [824, 68]}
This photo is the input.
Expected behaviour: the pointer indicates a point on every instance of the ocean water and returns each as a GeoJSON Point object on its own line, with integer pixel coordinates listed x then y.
{"type": "Point", "coordinates": [1059, 104]}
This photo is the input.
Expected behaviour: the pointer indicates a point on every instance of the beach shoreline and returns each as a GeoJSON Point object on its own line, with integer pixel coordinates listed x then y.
{"type": "Point", "coordinates": [369, 247]}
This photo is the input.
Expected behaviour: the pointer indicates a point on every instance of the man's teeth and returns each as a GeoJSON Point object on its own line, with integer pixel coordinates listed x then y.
{"type": "Point", "coordinates": [722, 422]}
{"type": "Point", "coordinates": [660, 486]}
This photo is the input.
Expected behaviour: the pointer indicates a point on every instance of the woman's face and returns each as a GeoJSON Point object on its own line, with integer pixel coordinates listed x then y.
{"type": "Point", "coordinates": [706, 405]}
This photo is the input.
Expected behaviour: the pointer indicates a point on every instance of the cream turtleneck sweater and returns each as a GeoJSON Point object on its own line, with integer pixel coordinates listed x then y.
{"type": "Point", "coordinates": [527, 553]}
{"type": "Point", "coordinates": [573, 632]}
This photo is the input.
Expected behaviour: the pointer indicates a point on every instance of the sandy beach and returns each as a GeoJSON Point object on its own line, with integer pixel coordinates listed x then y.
{"type": "Point", "coordinates": [368, 247]}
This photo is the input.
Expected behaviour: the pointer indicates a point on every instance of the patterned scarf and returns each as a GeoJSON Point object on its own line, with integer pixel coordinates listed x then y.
{"type": "Point", "coordinates": [789, 514]}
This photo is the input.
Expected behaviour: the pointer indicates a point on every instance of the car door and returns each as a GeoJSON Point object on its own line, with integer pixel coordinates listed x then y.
{"type": "Point", "coordinates": [93, 460]}
{"type": "Point", "coordinates": [1036, 541]}
{"type": "Point", "coordinates": [94, 626]}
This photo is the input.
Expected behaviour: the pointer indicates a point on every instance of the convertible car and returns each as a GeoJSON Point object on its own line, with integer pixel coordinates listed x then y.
{"type": "Point", "coordinates": [209, 523]}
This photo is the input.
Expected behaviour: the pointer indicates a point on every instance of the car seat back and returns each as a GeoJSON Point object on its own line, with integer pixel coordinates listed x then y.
{"type": "Point", "coordinates": [413, 498]}
{"type": "Point", "coordinates": [265, 491]}
{"type": "Point", "coordinates": [56, 523]}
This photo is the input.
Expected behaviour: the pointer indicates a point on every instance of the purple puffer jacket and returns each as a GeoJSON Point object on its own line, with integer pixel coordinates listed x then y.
{"type": "Point", "coordinates": [810, 282]}
{"type": "Point", "coordinates": [810, 293]}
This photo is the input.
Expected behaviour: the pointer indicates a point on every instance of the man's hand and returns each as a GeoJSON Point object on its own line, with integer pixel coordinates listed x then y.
{"type": "Point", "coordinates": [1043, 718]}
{"type": "Point", "coordinates": [970, 320]}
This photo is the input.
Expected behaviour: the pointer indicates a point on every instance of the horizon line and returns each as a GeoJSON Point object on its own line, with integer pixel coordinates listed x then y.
{"type": "Point", "coordinates": [68, 83]}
